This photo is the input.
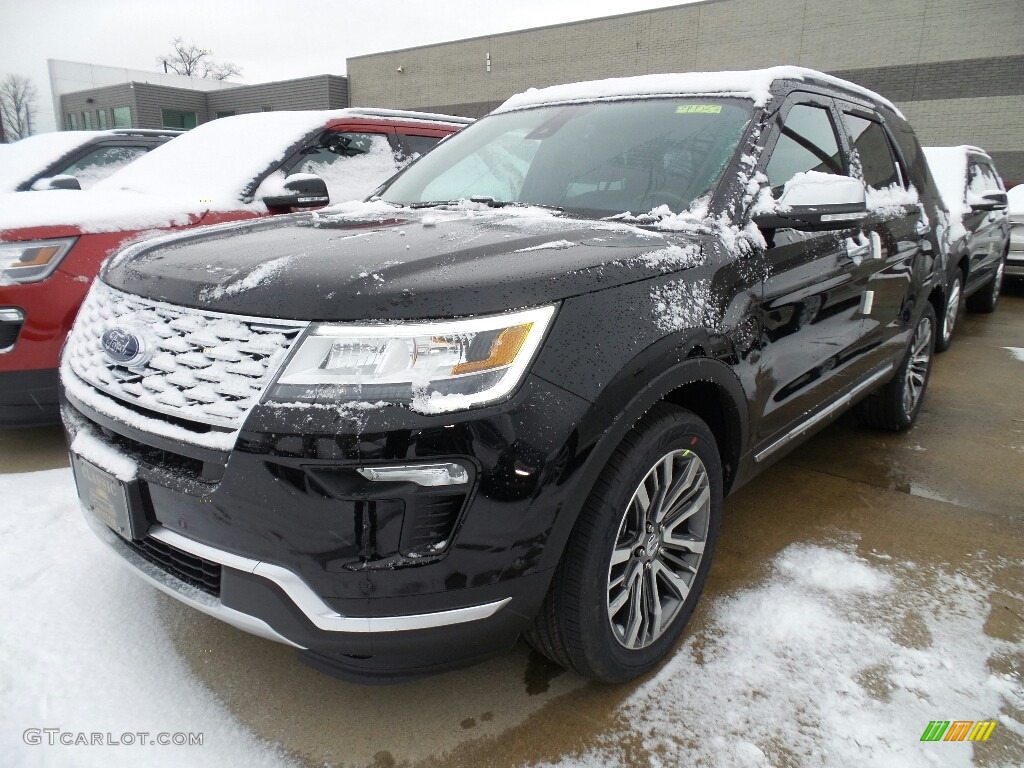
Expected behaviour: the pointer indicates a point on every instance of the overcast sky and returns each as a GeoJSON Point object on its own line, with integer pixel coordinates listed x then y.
{"type": "Point", "coordinates": [268, 39]}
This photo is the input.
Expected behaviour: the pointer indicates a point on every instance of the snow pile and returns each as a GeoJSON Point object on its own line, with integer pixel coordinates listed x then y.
{"type": "Point", "coordinates": [554, 245]}
{"type": "Point", "coordinates": [833, 661]}
{"type": "Point", "coordinates": [23, 159]}
{"type": "Point", "coordinates": [752, 84]}
{"type": "Point", "coordinates": [259, 275]}
{"type": "Point", "coordinates": [85, 649]}
{"type": "Point", "coordinates": [681, 304]}
{"type": "Point", "coordinates": [102, 455]}
{"type": "Point", "coordinates": [892, 200]}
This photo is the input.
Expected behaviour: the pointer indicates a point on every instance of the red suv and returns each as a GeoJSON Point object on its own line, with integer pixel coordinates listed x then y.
{"type": "Point", "coordinates": [53, 242]}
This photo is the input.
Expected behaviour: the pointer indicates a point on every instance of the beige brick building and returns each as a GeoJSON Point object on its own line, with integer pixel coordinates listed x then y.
{"type": "Point", "coordinates": [955, 67]}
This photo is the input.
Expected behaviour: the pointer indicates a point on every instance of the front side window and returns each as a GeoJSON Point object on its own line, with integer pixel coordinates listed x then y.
{"type": "Point", "coordinates": [352, 164]}
{"type": "Point", "coordinates": [808, 142]}
{"type": "Point", "coordinates": [102, 162]}
{"type": "Point", "coordinates": [122, 117]}
{"type": "Point", "coordinates": [874, 152]}
{"type": "Point", "coordinates": [981, 178]}
{"type": "Point", "coordinates": [598, 159]}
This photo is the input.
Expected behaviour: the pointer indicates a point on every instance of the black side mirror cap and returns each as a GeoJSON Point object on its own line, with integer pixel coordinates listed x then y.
{"type": "Point", "coordinates": [300, 190]}
{"type": "Point", "coordinates": [990, 201]}
{"type": "Point", "coordinates": [63, 182]}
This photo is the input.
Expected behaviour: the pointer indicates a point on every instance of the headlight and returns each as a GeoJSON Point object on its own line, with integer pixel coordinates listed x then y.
{"type": "Point", "coordinates": [432, 367]}
{"type": "Point", "coordinates": [30, 262]}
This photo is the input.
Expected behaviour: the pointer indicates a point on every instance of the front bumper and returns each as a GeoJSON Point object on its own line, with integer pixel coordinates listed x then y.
{"type": "Point", "coordinates": [310, 556]}
{"type": "Point", "coordinates": [29, 398]}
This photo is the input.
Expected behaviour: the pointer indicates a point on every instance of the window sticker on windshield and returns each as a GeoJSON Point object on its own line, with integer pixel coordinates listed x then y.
{"type": "Point", "coordinates": [699, 109]}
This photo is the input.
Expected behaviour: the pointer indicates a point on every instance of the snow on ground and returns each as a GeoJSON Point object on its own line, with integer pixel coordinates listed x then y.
{"type": "Point", "coordinates": [833, 660]}
{"type": "Point", "coordinates": [84, 649]}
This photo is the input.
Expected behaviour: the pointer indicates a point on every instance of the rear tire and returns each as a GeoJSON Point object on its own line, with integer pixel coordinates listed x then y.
{"type": "Point", "coordinates": [950, 312]}
{"type": "Point", "coordinates": [985, 300]}
{"type": "Point", "coordinates": [895, 406]}
{"type": "Point", "coordinates": [632, 573]}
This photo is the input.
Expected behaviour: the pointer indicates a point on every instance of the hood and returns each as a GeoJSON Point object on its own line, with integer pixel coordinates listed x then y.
{"type": "Point", "coordinates": [375, 261]}
{"type": "Point", "coordinates": [94, 211]}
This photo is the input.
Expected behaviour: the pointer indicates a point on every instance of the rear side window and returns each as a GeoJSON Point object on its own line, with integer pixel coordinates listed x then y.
{"type": "Point", "coordinates": [873, 151]}
{"type": "Point", "coordinates": [808, 143]}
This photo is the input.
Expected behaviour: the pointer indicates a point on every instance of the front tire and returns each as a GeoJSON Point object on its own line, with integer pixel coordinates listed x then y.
{"type": "Point", "coordinates": [950, 313]}
{"type": "Point", "coordinates": [639, 555]}
{"type": "Point", "coordinates": [895, 406]}
{"type": "Point", "coordinates": [985, 300]}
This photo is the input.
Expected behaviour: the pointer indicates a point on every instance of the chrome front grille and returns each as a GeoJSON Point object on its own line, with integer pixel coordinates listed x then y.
{"type": "Point", "coordinates": [199, 366]}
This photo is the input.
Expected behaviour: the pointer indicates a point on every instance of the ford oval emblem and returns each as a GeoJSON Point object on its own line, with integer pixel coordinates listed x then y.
{"type": "Point", "coordinates": [123, 347]}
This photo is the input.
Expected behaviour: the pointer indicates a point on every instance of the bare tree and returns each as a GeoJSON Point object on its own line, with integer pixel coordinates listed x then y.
{"type": "Point", "coordinates": [191, 60]}
{"type": "Point", "coordinates": [17, 106]}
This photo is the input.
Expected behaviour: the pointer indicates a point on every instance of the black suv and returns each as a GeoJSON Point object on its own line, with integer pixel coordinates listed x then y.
{"type": "Point", "coordinates": [976, 238]}
{"type": "Point", "coordinates": [507, 395]}
{"type": "Point", "coordinates": [74, 159]}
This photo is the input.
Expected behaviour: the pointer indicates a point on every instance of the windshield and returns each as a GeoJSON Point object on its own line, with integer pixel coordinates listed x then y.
{"type": "Point", "coordinates": [597, 159]}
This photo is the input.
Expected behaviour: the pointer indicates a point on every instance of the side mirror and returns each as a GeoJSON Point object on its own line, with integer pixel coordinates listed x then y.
{"type": "Point", "coordinates": [300, 190]}
{"type": "Point", "coordinates": [989, 201]}
{"type": "Point", "coordinates": [59, 182]}
{"type": "Point", "coordinates": [817, 201]}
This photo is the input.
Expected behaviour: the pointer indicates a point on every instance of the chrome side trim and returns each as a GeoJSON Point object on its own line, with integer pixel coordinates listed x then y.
{"type": "Point", "coordinates": [823, 414]}
{"type": "Point", "coordinates": [316, 610]}
{"type": "Point", "coordinates": [194, 598]}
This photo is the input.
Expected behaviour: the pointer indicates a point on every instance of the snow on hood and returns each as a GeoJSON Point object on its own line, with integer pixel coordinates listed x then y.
{"type": "Point", "coordinates": [93, 211]}
{"type": "Point", "coordinates": [23, 159]}
{"type": "Point", "coordinates": [218, 160]}
{"type": "Point", "coordinates": [754, 84]}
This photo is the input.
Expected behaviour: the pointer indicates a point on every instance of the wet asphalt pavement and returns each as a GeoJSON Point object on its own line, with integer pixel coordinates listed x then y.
{"type": "Point", "coordinates": [948, 493]}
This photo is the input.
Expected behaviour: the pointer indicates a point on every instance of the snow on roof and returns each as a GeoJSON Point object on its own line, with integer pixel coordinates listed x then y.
{"type": "Point", "coordinates": [216, 161]}
{"type": "Point", "coordinates": [754, 84]}
{"type": "Point", "coordinates": [23, 159]}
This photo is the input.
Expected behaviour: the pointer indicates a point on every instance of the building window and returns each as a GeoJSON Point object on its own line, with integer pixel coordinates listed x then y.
{"type": "Point", "coordinates": [72, 121]}
{"type": "Point", "coordinates": [176, 118]}
{"type": "Point", "coordinates": [101, 119]}
{"type": "Point", "coordinates": [122, 117]}
{"type": "Point", "coordinates": [266, 109]}
{"type": "Point", "coordinates": [87, 121]}
{"type": "Point", "coordinates": [226, 113]}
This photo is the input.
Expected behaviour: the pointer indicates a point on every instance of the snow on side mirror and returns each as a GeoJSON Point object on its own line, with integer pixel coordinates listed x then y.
{"type": "Point", "coordinates": [61, 181]}
{"type": "Point", "coordinates": [300, 190]}
{"type": "Point", "coordinates": [817, 201]}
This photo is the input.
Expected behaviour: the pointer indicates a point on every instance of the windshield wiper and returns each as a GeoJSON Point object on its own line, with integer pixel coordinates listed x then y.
{"type": "Point", "coordinates": [493, 203]}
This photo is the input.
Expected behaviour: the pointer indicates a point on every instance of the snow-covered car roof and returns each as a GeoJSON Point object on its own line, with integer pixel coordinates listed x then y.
{"type": "Point", "coordinates": [23, 159]}
{"type": "Point", "coordinates": [217, 161]}
{"type": "Point", "coordinates": [754, 84]}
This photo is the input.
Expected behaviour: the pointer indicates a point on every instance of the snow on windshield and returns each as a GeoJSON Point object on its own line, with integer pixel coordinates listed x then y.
{"type": "Point", "coordinates": [216, 161]}
{"type": "Point", "coordinates": [23, 159]}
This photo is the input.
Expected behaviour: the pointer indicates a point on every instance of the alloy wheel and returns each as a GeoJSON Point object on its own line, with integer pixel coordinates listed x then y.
{"type": "Point", "coordinates": [917, 369]}
{"type": "Point", "coordinates": [952, 311]}
{"type": "Point", "coordinates": [658, 548]}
